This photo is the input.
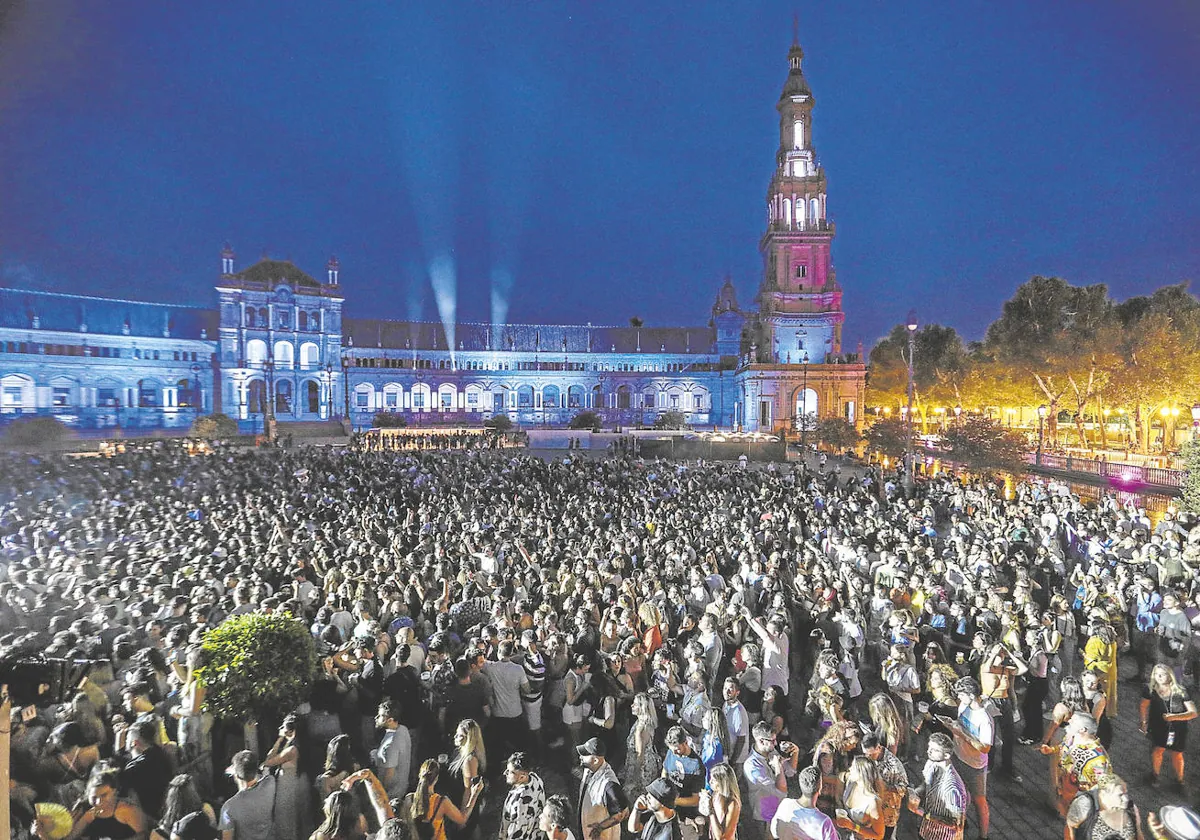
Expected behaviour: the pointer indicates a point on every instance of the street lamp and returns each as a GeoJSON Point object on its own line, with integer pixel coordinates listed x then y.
{"type": "Point", "coordinates": [328, 389]}
{"type": "Point", "coordinates": [1196, 421]}
{"type": "Point", "coordinates": [957, 414]}
{"type": "Point", "coordinates": [804, 411]}
{"type": "Point", "coordinates": [911, 325]}
{"type": "Point", "coordinates": [197, 399]}
{"type": "Point", "coordinates": [1041, 431]}
{"type": "Point", "coordinates": [347, 358]}
{"type": "Point", "coordinates": [269, 418]}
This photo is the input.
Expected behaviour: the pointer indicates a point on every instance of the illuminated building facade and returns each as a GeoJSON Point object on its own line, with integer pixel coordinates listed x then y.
{"type": "Point", "coordinates": [278, 344]}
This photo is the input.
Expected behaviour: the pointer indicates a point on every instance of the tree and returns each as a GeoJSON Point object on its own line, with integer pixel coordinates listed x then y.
{"type": "Point", "coordinates": [670, 420]}
{"type": "Point", "coordinates": [1190, 489]}
{"type": "Point", "coordinates": [636, 322]}
{"type": "Point", "coordinates": [35, 433]}
{"type": "Point", "coordinates": [983, 444]}
{"type": "Point", "coordinates": [390, 420]}
{"type": "Point", "coordinates": [940, 365]}
{"type": "Point", "coordinates": [257, 665]}
{"type": "Point", "coordinates": [837, 434]}
{"type": "Point", "coordinates": [214, 427]}
{"type": "Point", "coordinates": [585, 420]}
{"type": "Point", "coordinates": [1052, 333]}
{"type": "Point", "coordinates": [888, 436]}
{"type": "Point", "coordinates": [499, 423]}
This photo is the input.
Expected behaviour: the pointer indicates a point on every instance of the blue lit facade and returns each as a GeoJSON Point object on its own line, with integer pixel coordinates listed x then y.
{"type": "Point", "coordinates": [278, 344]}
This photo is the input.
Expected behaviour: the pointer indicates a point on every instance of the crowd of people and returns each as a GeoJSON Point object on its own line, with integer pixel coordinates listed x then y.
{"type": "Point", "coordinates": [690, 650]}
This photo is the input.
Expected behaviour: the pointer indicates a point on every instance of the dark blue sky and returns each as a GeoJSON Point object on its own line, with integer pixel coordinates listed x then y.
{"type": "Point", "coordinates": [613, 157]}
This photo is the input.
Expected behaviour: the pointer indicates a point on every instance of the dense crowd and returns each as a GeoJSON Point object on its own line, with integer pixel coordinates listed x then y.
{"type": "Point", "coordinates": [700, 650]}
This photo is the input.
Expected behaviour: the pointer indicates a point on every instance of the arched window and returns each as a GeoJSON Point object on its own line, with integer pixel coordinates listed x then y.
{"type": "Point", "coordinates": [256, 351]}
{"type": "Point", "coordinates": [283, 354]}
{"type": "Point", "coordinates": [550, 396]}
{"type": "Point", "coordinates": [310, 355]}
{"type": "Point", "coordinates": [650, 398]}
{"type": "Point", "coordinates": [264, 317]}
{"type": "Point", "coordinates": [283, 397]}
{"type": "Point", "coordinates": [148, 393]}
{"type": "Point", "coordinates": [303, 320]}
{"type": "Point", "coordinates": [814, 210]}
{"type": "Point", "coordinates": [787, 212]}
{"type": "Point", "coordinates": [806, 405]}
{"type": "Point", "coordinates": [798, 133]}
{"type": "Point", "coordinates": [313, 393]}
{"type": "Point", "coordinates": [257, 397]}
{"type": "Point", "coordinates": [525, 396]}
{"type": "Point", "coordinates": [249, 316]}
{"type": "Point", "coordinates": [624, 396]}
{"type": "Point", "coordinates": [575, 396]}
{"type": "Point", "coordinates": [597, 397]}
{"type": "Point", "coordinates": [314, 321]}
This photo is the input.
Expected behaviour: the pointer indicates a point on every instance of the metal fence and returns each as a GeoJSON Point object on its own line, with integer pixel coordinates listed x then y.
{"type": "Point", "coordinates": [1133, 473]}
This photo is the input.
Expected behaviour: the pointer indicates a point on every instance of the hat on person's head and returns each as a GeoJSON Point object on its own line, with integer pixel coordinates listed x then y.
{"type": "Point", "coordinates": [592, 746]}
{"type": "Point", "coordinates": [664, 791]}
{"type": "Point", "coordinates": [1180, 823]}
{"type": "Point", "coordinates": [243, 766]}
{"type": "Point", "coordinates": [194, 826]}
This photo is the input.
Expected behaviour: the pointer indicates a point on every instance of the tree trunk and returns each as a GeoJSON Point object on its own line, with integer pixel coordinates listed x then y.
{"type": "Point", "coordinates": [250, 736]}
{"type": "Point", "coordinates": [1103, 424]}
{"type": "Point", "coordinates": [1083, 442]}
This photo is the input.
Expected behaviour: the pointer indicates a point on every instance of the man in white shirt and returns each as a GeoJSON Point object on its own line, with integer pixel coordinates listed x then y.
{"type": "Point", "coordinates": [393, 757]}
{"type": "Point", "coordinates": [974, 735]}
{"type": "Point", "coordinates": [737, 720]}
{"type": "Point", "coordinates": [799, 819]}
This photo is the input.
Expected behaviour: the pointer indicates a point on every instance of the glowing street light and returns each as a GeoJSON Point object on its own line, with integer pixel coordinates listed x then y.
{"type": "Point", "coordinates": [911, 326]}
{"type": "Point", "coordinates": [1041, 410]}
{"type": "Point", "coordinates": [1196, 421]}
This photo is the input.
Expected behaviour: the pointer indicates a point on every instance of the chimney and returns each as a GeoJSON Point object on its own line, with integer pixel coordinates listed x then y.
{"type": "Point", "coordinates": [332, 268]}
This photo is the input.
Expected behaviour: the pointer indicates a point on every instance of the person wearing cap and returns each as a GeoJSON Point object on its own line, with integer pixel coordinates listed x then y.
{"type": "Point", "coordinates": [653, 816]}
{"type": "Point", "coordinates": [974, 735]}
{"type": "Point", "coordinates": [250, 813]}
{"type": "Point", "coordinates": [602, 803]}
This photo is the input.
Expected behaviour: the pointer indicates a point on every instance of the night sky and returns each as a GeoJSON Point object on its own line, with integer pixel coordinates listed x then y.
{"type": "Point", "coordinates": [603, 160]}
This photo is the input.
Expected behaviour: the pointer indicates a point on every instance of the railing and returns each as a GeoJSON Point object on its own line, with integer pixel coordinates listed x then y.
{"type": "Point", "coordinates": [1133, 473]}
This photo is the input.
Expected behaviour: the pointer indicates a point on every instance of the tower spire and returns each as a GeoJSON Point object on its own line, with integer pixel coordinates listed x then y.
{"type": "Point", "coordinates": [795, 29]}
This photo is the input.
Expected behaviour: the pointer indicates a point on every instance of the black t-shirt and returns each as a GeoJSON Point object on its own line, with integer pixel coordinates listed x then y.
{"type": "Point", "coordinates": [654, 830]}
{"type": "Point", "coordinates": [148, 775]}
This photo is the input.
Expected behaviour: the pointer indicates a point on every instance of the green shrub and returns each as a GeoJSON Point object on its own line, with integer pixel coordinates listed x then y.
{"type": "Point", "coordinates": [389, 420]}
{"type": "Point", "coordinates": [670, 420]}
{"type": "Point", "coordinates": [214, 427]}
{"type": "Point", "coordinates": [585, 420]}
{"type": "Point", "coordinates": [1190, 489]}
{"type": "Point", "coordinates": [35, 432]}
{"type": "Point", "coordinates": [498, 423]}
{"type": "Point", "coordinates": [257, 665]}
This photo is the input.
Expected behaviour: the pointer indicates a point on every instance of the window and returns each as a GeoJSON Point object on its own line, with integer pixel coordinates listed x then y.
{"type": "Point", "coordinates": [801, 272]}
{"type": "Point", "coordinates": [11, 396]}
{"type": "Point", "coordinates": [418, 399]}
{"type": "Point", "coordinates": [360, 398]}
{"type": "Point", "coordinates": [285, 319]}
{"type": "Point", "coordinates": [764, 413]}
{"type": "Point", "coordinates": [697, 402]}
{"type": "Point", "coordinates": [447, 398]}
{"type": "Point", "coordinates": [674, 402]}
{"type": "Point", "coordinates": [473, 399]}
{"type": "Point", "coordinates": [391, 398]}
{"type": "Point", "coordinates": [314, 397]}
{"type": "Point", "coordinates": [106, 397]}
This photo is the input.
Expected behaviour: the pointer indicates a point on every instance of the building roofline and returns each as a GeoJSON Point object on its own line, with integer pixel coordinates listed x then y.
{"type": "Point", "coordinates": [105, 299]}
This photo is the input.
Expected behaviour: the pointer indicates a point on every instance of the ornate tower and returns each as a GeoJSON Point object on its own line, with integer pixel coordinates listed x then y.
{"type": "Point", "coordinates": [799, 301]}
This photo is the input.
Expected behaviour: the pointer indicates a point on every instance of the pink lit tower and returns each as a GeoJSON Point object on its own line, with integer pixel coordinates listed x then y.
{"type": "Point", "coordinates": [798, 351]}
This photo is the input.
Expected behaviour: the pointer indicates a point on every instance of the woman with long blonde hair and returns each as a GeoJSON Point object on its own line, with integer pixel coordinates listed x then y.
{"type": "Point", "coordinates": [642, 762]}
{"type": "Point", "coordinates": [862, 801]}
{"type": "Point", "coordinates": [885, 717]}
{"type": "Point", "coordinates": [466, 769]}
{"type": "Point", "coordinates": [1166, 709]}
{"type": "Point", "coordinates": [725, 803]}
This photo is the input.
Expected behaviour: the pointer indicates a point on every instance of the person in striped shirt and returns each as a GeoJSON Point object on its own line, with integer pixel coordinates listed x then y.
{"type": "Point", "coordinates": [941, 798]}
{"type": "Point", "coordinates": [535, 679]}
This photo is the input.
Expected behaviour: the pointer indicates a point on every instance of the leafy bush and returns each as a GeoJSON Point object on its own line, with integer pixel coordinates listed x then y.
{"type": "Point", "coordinates": [214, 427]}
{"type": "Point", "coordinates": [836, 433]}
{"type": "Point", "coordinates": [888, 436]}
{"type": "Point", "coordinates": [670, 420]}
{"type": "Point", "coordinates": [498, 423]}
{"type": "Point", "coordinates": [585, 420]}
{"type": "Point", "coordinates": [35, 432]}
{"type": "Point", "coordinates": [257, 665]}
{"type": "Point", "coordinates": [390, 420]}
{"type": "Point", "coordinates": [981, 443]}
{"type": "Point", "coordinates": [1191, 478]}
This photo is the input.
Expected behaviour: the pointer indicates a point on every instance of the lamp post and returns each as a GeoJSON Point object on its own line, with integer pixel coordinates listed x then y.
{"type": "Point", "coordinates": [804, 411]}
{"type": "Point", "coordinates": [911, 325]}
{"type": "Point", "coordinates": [1196, 421]}
{"type": "Point", "coordinates": [957, 414]}
{"type": "Point", "coordinates": [1041, 410]}
{"type": "Point", "coordinates": [269, 417]}
{"type": "Point", "coordinates": [328, 390]}
{"type": "Point", "coordinates": [196, 396]}
{"type": "Point", "coordinates": [347, 358]}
